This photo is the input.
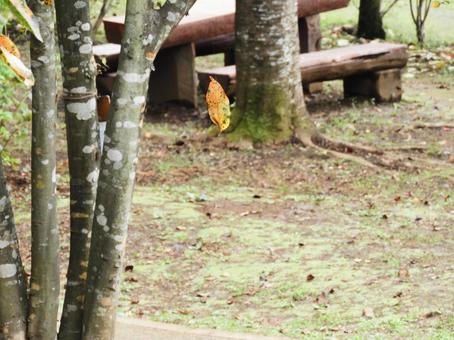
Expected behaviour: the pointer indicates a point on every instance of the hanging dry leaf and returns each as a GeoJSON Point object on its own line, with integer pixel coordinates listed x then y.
{"type": "Point", "coordinates": [218, 105]}
{"type": "Point", "coordinates": [25, 16]}
{"type": "Point", "coordinates": [18, 67]}
{"type": "Point", "coordinates": [103, 108]}
{"type": "Point", "coordinates": [9, 45]}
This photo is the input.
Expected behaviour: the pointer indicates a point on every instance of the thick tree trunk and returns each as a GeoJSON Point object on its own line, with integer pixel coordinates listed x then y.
{"type": "Point", "coordinates": [370, 23]}
{"type": "Point", "coordinates": [13, 291]}
{"type": "Point", "coordinates": [270, 103]}
{"type": "Point", "coordinates": [45, 274]}
{"type": "Point", "coordinates": [145, 31]}
{"type": "Point", "coordinates": [79, 74]}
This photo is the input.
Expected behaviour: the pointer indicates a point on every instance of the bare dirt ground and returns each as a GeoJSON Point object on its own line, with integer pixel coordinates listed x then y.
{"type": "Point", "coordinates": [282, 240]}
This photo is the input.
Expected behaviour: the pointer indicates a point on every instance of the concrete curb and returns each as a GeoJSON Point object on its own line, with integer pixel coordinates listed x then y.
{"type": "Point", "coordinates": [134, 329]}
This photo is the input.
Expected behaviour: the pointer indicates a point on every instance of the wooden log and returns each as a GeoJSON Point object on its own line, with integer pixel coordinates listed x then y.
{"type": "Point", "coordinates": [213, 18]}
{"type": "Point", "coordinates": [175, 78]}
{"type": "Point", "coordinates": [384, 86]}
{"type": "Point", "coordinates": [339, 63]}
{"type": "Point", "coordinates": [221, 44]}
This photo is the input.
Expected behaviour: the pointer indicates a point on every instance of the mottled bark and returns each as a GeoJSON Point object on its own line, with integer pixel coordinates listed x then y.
{"type": "Point", "coordinates": [270, 103]}
{"type": "Point", "coordinates": [370, 23]}
{"type": "Point", "coordinates": [45, 273]}
{"type": "Point", "coordinates": [13, 291]}
{"type": "Point", "coordinates": [145, 31]}
{"type": "Point", "coordinates": [79, 73]}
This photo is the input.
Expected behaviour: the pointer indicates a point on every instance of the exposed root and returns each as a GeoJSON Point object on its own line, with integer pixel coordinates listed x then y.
{"type": "Point", "coordinates": [419, 148]}
{"type": "Point", "coordinates": [343, 147]}
{"type": "Point", "coordinates": [432, 126]}
{"type": "Point", "coordinates": [325, 145]}
{"type": "Point", "coordinates": [371, 158]}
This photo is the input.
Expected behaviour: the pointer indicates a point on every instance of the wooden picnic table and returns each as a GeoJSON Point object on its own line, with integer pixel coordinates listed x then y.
{"type": "Point", "coordinates": [208, 29]}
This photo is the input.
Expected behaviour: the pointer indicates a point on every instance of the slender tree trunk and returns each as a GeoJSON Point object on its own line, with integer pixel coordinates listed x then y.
{"type": "Point", "coordinates": [79, 74]}
{"type": "Point", "coordinates": [145, 30]}
{"type": "Point", "coordinates": [270, 103]}
{"type": "Point", "coordinates": [45, 274]}
{"type": "Point", "coordinates": [13, 291]}
{"type": "Point", "coordinates": [370, 23]}
{"type": "Point", "coordinates": [102, 13]}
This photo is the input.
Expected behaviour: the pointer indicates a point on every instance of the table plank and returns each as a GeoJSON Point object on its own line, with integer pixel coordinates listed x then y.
{"type": "Point", "coordinates": [213, 18]}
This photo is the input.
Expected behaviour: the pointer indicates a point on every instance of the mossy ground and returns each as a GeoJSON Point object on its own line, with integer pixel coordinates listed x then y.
{"type": "Point", "coordinates": [281, 240]}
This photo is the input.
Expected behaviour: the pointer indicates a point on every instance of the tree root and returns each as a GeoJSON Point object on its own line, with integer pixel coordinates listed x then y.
{"type": "Point", "coordinates": [432, 126]}
{"type": "Point", "coordinates": [325, 146]}
{"type": "Point", "coordinates": [369, 157]}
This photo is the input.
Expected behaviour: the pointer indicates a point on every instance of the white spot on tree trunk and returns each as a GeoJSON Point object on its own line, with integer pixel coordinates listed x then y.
{"type": "Point", "coordinates": [114, 155]}
{"type": "Point", "coordinates": [4, 244]}
{"type": "Point", "coordinates": [92, 177]}
{"type": "Point", "coordinates": [83, 111]}
{"type": "Point", "coordinates": [88, 148]}
{"type": "Point", "coordinates": [85, 27]}
{"type": "Point", "coordinates": [79, 4]}
{"type": "Point", "coordinates": [85, 48]}
{"type": "Point", "coordinates": [7, 270]}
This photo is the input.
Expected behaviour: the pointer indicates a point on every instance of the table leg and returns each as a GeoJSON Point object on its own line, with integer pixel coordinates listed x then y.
{"type": "Point", "coordinates": [310, 41]}
{"type": "Point", "coordinates": [174, 78]}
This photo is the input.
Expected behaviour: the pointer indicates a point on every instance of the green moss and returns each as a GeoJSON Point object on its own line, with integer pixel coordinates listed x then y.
{"type": "Point", "coordinates": [266, 117]}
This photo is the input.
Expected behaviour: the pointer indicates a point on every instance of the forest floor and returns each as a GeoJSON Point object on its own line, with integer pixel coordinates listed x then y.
{"type": "Point", "coordinates": [282, 240]}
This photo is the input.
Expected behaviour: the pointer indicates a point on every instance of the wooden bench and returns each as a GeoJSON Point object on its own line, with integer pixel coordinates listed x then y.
{"type": "Point", "coordinates": [207, 29]}
{"type": "Point", "coordinates": [372, 70]}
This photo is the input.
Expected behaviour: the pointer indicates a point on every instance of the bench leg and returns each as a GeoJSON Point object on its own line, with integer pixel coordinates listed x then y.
{"type": "Point", "coordinates": [310, 41]}
{"type": "Point", "coordinates": [229, 58]}
{"type": "Point", "coordinates": [384, 86]}
{"type": "Point", "coordinates": [175, 77]}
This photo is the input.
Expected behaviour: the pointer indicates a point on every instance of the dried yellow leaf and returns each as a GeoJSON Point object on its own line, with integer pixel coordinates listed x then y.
{"type": "Point", "coordinates": [21, 71]}
{"type": "Point", "coordinates": [9, 45]}
{"type": "Point", "coordinates": [218, 105]}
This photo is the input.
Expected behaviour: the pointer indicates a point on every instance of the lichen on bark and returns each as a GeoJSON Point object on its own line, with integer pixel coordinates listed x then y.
{"type": "Point", "coordinates": [45, 271]}
{"type": "Point", "coordinates": [79, 96]}
{"type": "Point", "coordinates": [13, 291]}
{"type": "Point", "coordinates": [145, 31]}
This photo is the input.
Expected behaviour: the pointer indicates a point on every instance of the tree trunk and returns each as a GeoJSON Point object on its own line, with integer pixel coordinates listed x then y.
{"type": "Point", "coordinates": [145, 31]}
{"type": "Point", "coordinates": [79, 89]}
{"type": "Point", "coordinates": [370, 23]}
{"type": "Point", "coordinates": [45, 273]}
{"type": "Point", "coordinates": [270, 103]}
{"type": "Point", "coordinates": [13, 291]}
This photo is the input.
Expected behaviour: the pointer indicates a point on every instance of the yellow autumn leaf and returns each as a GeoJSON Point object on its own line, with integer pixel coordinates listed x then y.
{"type": "Point", "coordinates": [218, 105]}
{"type": "Point", "coordinates": [18, 67]}
{"type": "Point", "coordinates": [9, 45]}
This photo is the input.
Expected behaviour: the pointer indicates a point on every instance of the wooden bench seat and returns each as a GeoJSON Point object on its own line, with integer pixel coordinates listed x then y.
{"type": "Point", "coordinates": [372, 70]}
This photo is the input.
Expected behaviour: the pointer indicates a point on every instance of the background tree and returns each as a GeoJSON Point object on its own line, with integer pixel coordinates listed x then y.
{"type": "Point", "coordinates": [370, 22]}
{"type": "Point", "coordinates": [419, 12]}
{"type": "Point", "coordinates": [270, 103]}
